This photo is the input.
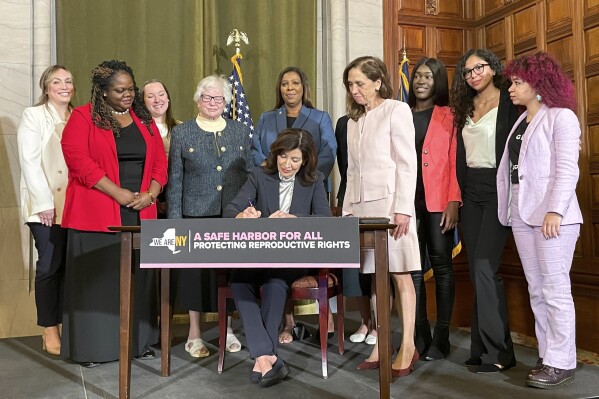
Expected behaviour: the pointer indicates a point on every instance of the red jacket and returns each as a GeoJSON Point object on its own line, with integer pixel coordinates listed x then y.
{"type": "Point", "coordinates": [90, 154]}
{"type": "Point", "coordinates": [439, 160]}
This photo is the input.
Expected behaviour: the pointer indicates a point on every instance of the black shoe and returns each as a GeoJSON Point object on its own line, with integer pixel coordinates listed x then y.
{"type": "Point", "coordinates": [433, 353]}
{"type": "Point", "coordinates": [89, 365]}
{"type": "Point", "coordinates": [146, 354]}
{"type": "Point", "coordinates": [278, 372]}
{"type": "Point", "coordinates": [317, 335]}
{"type": "Point", "coordinates": [473, 361]}
{"type": "Point", "coordinates": [550, 377]}
{"type": "Point", "coordinates": [255, 377]}
{"type": "Point", "coordinates": [493, 368]}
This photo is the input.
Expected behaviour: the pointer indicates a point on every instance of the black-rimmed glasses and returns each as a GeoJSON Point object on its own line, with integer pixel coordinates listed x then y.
{"type": "Point", "coordinates": [478, 69]}
{"type": "Point", "coordinates": [217, 99]}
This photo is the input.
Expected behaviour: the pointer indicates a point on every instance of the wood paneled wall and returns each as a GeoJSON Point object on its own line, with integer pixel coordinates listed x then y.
{"type": "Point", "coordinates": [569, 30]}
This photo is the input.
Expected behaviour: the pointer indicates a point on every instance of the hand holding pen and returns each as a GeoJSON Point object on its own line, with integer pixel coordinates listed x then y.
{"type": "Point", "coordinates": [250, 212]}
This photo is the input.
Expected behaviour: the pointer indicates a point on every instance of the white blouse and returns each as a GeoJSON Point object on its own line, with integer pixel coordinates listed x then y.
{"type": "Point", "coordinates": [286, 192]}
{"type": "Point", "coordinates": [479, 141]}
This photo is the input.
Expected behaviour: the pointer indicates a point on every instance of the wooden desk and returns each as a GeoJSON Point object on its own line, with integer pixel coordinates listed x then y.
{"type": "Point", "coordinates": [371, 236]}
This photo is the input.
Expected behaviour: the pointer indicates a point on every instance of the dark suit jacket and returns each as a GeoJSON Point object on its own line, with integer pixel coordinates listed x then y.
{"type": "Point", "coordinates": [317, 123]}
{"type": "Point", "coordinates": [341, 137]}
{"type": "Point", "coordinates": [263, 189]}
{"type": "Point", "coordinates": [507, 114]}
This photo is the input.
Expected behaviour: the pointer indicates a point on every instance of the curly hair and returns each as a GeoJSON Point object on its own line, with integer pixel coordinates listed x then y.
{"type": "Point", "coordinates": [102, 79]}
{"type": "Point", "coordinates": [546, 77]}
{"type": "Point", "coordinates": [461, 98]}
{"type": "Point", "coordinates": [374, 69]}
{"type": "Point", "coordinates": [440, 87]}
{"type": "Point", "coordinates": [306, 100]}
{"type": "Point", "coordinates": [288, 140]}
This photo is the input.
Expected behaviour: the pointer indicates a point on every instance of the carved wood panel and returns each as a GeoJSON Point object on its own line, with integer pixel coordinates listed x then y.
{"type": "Point", "coordinates": [562, 51]}
{"type": "Point", "coordinates": [594, 143]}
{"type": "Point", "coordinates": [450, 45]}
{"type": "Point", "coordinates": [591, 5]}
{"type": "Point", "coordinates": [525, 24]}
{"type": "Point", "coordinates": [495, 38]}
{"type": "Point", "coordinates": [492, 5]}
{"type": "Point", "coordinates": [415, 40]}
{"type": "Point", "coordinates": [559, 18]}
{"type": "Point", "coordinates": [592, 95]}
{"type": "Point", "coordinates": [592, 44]}
{"type": "Point", "coordinates": [412, 6]}
{"type": "Point", "coordinates": [451, 9]}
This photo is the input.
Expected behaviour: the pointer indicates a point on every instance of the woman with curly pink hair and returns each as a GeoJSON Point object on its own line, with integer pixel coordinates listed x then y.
{"type": "Point", "coordinates": [536, 186]}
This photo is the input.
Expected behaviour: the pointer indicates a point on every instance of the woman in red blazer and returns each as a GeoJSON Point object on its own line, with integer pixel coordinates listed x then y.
{"type": "Point", "coordinates": [437, 200]}
{"type": "Point", "coordinates": [117, 167]}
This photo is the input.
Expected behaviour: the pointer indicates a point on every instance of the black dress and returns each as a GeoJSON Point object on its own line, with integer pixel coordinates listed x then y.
{"type": "Point", "coordinates": [91, 310]}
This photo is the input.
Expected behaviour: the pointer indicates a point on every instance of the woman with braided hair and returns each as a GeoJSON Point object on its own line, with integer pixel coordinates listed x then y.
{"type": "Point", "coordinates": [117, 167]}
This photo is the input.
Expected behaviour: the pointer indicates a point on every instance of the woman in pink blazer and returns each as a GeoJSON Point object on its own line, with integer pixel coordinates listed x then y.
{"type": "Point", "coordinates": [536, 187]}
{"type": "Point", "coordinates": [436, 201]}
{"type": "Point", "coordinates": [381, 180]}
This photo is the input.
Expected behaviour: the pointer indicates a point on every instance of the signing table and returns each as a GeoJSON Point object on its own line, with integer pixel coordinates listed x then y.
{"type": "Point", "coordinates": [372, 236]}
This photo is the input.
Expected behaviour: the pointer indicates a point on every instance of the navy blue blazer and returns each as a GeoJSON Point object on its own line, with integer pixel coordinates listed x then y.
{"type": "Point", "coordinates": [263, 189]}
{"type": "Point", "coordinates": [317, 123]}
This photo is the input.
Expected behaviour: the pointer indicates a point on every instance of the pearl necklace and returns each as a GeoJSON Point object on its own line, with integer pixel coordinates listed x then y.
{"type": "Point", "coordinates": [125, 112]}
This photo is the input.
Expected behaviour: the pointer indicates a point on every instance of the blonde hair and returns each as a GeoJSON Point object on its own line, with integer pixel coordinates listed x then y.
{"type": "Point", "coordinates": [45, 80]}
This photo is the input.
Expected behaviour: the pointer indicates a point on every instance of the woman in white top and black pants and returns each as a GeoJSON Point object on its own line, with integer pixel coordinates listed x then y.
{"type": "Point", "coordinates": [484, 116]}
{"type": "Point", "coordinates": [43, 185]}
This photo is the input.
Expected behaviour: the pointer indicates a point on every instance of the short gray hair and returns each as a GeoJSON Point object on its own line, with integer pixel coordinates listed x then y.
{"type": "Point", "coordinates": [213, 82]}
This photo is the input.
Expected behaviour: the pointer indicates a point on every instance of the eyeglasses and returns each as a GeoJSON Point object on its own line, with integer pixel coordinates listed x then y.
{"type": "Point", "coordinates": [478, 69]}
{"type": "Point", "coordinates": [217, 99]}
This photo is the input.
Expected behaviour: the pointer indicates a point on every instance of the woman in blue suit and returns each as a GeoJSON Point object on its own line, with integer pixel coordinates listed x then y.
{"type": "Point", "coordinates": [294, 109]}
{"type": "Point", "coordinates": [288, 186]}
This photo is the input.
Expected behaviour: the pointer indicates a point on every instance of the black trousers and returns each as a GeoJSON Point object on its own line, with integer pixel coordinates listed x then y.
{"type": "Point", "coordinates": [261, 321]}
{"type": "Point", "coordinates": [484, 239]}
{"type": "Point", "coordinates": [51, 245]}
{"type": "Point", "coordinates": [439, 247]}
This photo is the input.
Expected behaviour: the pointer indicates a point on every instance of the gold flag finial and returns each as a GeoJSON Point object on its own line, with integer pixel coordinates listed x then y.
{"type": "Point", "coordinates": [237, 37]}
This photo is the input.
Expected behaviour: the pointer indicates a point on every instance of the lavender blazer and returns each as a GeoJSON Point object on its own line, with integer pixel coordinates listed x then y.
{"type": "Point", "coordinates": [547, 169]}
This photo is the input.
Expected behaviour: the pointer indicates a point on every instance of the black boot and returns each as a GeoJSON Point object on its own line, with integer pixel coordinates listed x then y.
{"type": "Point", "coordinates": [439, 348]}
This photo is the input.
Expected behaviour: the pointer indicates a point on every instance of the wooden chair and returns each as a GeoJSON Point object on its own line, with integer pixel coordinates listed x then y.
{"type": "Point", "coordinates": [328, 285]}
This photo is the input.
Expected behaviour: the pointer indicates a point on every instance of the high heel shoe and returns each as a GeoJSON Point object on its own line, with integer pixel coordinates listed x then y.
{"type": "Point", "coordinates": [52, 350]}
{"type": "Point", "coordinates": [408, 370]}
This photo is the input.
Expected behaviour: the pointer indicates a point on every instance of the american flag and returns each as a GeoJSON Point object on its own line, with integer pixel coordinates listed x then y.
{"type": "Point", "coordinates": [239, 108]}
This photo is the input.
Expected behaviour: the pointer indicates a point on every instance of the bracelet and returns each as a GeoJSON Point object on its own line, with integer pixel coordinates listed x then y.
{"type": "Point", "coordinates": [152, 198]}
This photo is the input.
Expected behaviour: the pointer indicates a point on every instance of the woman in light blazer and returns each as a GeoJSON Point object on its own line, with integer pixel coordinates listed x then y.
{"type": "Point", "coordinates": [437, 200]}
{"type": "Point", "coordinates": [43, 185]}
{"type": "Point", "coordinates": [536, 186]}
{"type": "Point", "coordinates": [381, 181]}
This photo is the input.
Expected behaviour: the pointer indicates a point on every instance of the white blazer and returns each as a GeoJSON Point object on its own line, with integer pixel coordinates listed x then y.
{"type": "Point", "coordinates": [44, 173]}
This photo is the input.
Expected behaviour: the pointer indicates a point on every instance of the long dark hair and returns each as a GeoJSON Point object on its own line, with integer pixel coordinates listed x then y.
{"type": "Point", "coordinates": [306, 100]}
{"type": "Point", "coordinates": [374, 69]}
{"type": "Point", "coordinates": [441, 86]}
{"type": "Point", "coordinates": [102, 78]}
{"type": "Point", "coordinates": [462, 95]}
{"type": "Point", "coordinates": [168, 117]}
{"type": "Point", "coordinates": [288, 140]}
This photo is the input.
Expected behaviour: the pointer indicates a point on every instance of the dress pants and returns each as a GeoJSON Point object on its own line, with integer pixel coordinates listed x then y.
{"type": "Point", "coordinates": [261, 322]}
{"type": "Point", "coordinates": [547, 264]}
{"type": "Point", "coordinates": [51, 244]}
{"type": "Point", "coordinates": [484, 239]}
{"type": "Point", "coordinates": [439, 247]}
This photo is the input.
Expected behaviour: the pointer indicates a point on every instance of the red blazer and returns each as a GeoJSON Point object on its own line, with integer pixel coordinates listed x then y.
{"type": "Point", "coordinates": [90, 154]}
{"type": "Point", "coordinates": [439, 160]}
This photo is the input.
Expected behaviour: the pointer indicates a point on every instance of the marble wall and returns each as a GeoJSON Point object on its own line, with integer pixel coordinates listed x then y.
{"type": "Point", "coordinates": [25, 33]}
{"type": "Point", "coordinates": [347, 29]}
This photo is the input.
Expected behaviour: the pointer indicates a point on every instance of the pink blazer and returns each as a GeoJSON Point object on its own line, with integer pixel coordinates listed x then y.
{"type": "Point", "coordinates": [547, 169]}
{"type": "Point", "coordinates": [438, 161]}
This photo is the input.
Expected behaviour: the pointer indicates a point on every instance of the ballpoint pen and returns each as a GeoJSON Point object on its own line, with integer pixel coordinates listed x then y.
{"type": "Point", "coordinates": [251, 202]}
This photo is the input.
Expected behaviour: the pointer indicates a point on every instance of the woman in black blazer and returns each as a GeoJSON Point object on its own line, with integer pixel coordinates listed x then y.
{"type": "Point", "coordinates": [288, 186]}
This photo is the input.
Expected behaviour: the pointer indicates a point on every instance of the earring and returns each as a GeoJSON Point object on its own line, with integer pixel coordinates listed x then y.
{"type": "Point", "coordinates": [104, 94]}
{"type": "Point", "coordinates": [539, 98]}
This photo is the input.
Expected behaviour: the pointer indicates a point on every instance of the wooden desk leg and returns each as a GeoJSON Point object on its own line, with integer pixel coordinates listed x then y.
{"type": "Point", "coordinates": [126, 322]}
{"type": "Point", "coordinates": [165, 322]}
{"type": "Point", "coordinates": [383, 311]}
